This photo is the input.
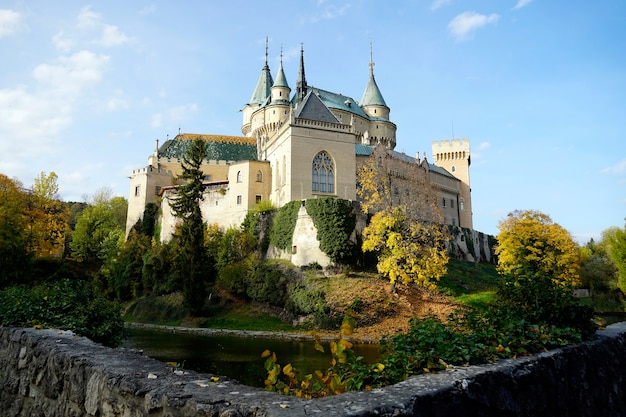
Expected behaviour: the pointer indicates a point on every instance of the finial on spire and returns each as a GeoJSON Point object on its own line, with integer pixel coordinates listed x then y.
{"type": "Point", "coordinates": [281, 53]}
{"type": "Point", "coordinates": [266, 48]}
{"type": "Point", "coordinates": [371, 60]}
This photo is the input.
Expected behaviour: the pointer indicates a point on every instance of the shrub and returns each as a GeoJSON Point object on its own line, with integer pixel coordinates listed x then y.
{"type": "Point", "coordinates": [65, 304]}
{"type": "Point", "coordinates": [266, 283]}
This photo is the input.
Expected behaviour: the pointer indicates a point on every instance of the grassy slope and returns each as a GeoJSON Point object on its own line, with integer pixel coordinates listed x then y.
{"type": "Point", "coordinates": [466, 283]}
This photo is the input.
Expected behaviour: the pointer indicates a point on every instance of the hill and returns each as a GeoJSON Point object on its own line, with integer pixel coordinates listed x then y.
{"type": "Point", "coordinates": [365, 296]}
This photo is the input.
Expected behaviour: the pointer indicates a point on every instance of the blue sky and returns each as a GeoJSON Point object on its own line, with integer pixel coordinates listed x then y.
{"type": "Point", "coordinates": [538, 86]}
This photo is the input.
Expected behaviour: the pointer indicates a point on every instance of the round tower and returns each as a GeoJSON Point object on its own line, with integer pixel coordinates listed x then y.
{"type": "Point", "coordinates": [454, 156]}
{"type": "Point", "coordinates": [381, 129]}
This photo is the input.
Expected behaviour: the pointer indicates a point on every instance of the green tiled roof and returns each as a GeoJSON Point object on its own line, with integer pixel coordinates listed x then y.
{"type": "Point", "coordinates": [220, 148]}
{"type": "Point", "coordinates": [338, 101]}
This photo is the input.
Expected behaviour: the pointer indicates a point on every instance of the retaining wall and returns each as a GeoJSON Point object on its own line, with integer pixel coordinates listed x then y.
{"type": "Point", "coordinates": [56, 374]}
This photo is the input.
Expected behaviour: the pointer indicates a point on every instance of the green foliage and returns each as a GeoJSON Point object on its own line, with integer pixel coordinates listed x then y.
{"type": "Point", "coordinates": [266, 282]}
{"type": "Point", "coordinates": [159, 274]}
{"type": "Point", "coordinates": [165, 309]}
{"type": "Point", "coordinates": [97, 226]}
{"type": "Point", "coordinates": [305, 300]}
{"type": "Point", "coordinates": [281, 233]}
{"type": "Point", "coordinates": [192, 262]}
{"type": "Point", "coordinates": [232, 278]}
{"type": "Point", "coordinates": [234, 247]}
{"type": "Point", "coordinates": [616, 240]}
{"type": "Point", "coordinates": [64, 304]}
{"type": "Point", "coordinates": [123, 269]}
{"type": "Point", "coordinates": [541, 300]}
{"type": "Point", "coordinates": [258, 221]}
{"type": "Point", "coordinates": [335, 220]}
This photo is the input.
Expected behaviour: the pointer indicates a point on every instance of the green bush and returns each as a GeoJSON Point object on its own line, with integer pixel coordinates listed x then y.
{"type": "Point", "coordinates": [232, 278]}
{"type": "Point", "coordinates": [65, 304]}
{"type": "Point", "coordinates": [266, 283]}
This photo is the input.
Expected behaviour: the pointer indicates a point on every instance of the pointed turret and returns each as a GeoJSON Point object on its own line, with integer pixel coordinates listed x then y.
{"type": "Point", "coordinates": [301, 86]}
{"type": "Point", "coordinates": [280, 89]}
{"type": "Point", "coordinates": [264, 84]}
{"type": "Point", "coordinates": [372, 95]}
{"type": "Point", "coordinates": [373, 102]}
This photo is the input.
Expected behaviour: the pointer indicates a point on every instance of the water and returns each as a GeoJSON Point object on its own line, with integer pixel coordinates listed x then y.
{"type": "Point", "coordinates": [234, 357]}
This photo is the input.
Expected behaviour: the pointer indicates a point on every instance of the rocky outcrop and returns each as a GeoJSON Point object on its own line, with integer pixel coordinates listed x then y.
{"type": "Point", "coordinates": [56, 374]}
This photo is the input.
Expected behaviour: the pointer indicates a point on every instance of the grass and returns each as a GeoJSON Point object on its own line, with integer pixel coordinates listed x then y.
{"type": "Point", "coordinates": [470, 283]}
{"type": "Point", "coordinates": [244, 317]}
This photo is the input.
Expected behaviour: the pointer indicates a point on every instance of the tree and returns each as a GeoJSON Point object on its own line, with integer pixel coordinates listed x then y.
{"type": "Point", "coordinates": [49, 217]}
{"type": "Point", "coordinates": [541, 263]}
{"type": "Point", "coordinates": [406, 229]}
{"type": "Point", "coordinates": [530, 244]}
{"type": "Point", "coordinates": [616, 240]}
{"type": "Point", "coordinates": [14, 256]}
{"type": "Point", "coordinates": [409, 250]}
{"type": "Point", "coordinates": [99, 227]}
{"type": "Point", "coordinates": [192, 261]}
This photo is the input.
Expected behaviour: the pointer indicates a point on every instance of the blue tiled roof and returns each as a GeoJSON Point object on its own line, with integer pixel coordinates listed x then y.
{"type": "Point", "coordinates": [366, 150]}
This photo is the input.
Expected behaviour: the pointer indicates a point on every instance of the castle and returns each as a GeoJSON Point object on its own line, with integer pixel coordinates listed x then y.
{"type": "Point", "coordinates": [296, 147]}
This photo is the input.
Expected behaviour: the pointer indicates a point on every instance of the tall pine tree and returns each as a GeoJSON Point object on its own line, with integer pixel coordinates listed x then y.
{"type": "Point", "coordinates": [192, 261]}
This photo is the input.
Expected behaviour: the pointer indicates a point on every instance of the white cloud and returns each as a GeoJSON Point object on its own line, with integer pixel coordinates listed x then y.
{"type": "Point", "coordinates": [62, 43]}
{"type": "Point", "coordinates": [439, 3]}
{"type": "Point", "coordinates": [109, 35]}
{"type": "Point", "coordinates": [484, 145]}
{"type": "Point", "coordinates": [71, 74]}
{"type": "Point", "coordinates": [10, 22]}
{"type": "Point", "coordinates": [115, 104]}
{"type": "Point", "coordinates": [521, 3]}
{"type": "Point", "coordinates": [156, 121]}
{"type": "Point", "coordinates": [330, 11]}
{"type": "Point", "coordinates": [465, 23]}
{"type": "Point", "coordinates": [34, 118]}
{"type": "Point", "coordinates": [618, 168]}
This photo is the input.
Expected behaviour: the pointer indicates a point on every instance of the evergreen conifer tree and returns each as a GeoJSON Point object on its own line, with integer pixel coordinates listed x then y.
{"type": "Point", "coordinates": [192, 262]}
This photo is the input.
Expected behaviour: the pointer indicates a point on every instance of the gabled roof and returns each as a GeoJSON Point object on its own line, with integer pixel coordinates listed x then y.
{"type": "Point", "coordinates": [219, 147]}
{"type": "Point", "coordinates": [313, 108]}
{"type": "Point", "coordinates": [338, 101]}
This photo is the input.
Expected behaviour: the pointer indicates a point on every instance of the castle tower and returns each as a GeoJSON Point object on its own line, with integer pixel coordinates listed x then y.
{"type": "Point", "coordinates": [259, 96]}
{"type": "Point", "coordinates": [381, 129]}
{"type": "Point", "coordinates": [454, 156]}
{"type": "Point", "coordinates": [280, 89]}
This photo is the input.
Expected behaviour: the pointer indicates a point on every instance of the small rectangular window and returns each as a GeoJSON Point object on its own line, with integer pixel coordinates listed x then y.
{"type": "Point", "coordinates": [452, 203]}
{"type": "Point", "coordinates": [239, 200]}
{"type": "Point", "coordinates": [443, 200]}
{"type": "Point", "coordinates": [137, 190]}
{"type": "Point", "coordinates": [157, 190]}
{"type": "Point", "coordinates": [258, 199]}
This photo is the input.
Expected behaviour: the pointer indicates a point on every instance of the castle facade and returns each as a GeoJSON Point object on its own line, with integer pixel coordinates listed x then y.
{"type": "Point", "coordinates": [295, 145]}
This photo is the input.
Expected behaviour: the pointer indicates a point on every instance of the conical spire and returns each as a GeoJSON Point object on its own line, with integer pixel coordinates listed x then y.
{"type": "Point", "coordinates": [264, 85]}
{"type": "Point", "coordinates": [301, 86]}
{"type": "Point", "coordinates": [281, 80]}
{"type": "Point", "coordinates": [372, 95]}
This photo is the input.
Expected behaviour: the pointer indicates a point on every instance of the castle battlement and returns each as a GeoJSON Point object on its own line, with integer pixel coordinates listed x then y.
{"type": "Point", "coordinates": [448, 145]}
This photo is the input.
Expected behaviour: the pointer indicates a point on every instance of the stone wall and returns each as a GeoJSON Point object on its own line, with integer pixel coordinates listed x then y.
{"type": "Point", "coordinates": [53, 373]}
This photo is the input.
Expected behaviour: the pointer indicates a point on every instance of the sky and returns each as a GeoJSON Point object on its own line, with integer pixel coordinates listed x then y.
{"type": "Point", "coordinates": [538, 86]}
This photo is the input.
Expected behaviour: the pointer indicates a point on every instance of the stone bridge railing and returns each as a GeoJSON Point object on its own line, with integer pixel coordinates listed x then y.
{"type": "Point", "coordinates": [56, 374]}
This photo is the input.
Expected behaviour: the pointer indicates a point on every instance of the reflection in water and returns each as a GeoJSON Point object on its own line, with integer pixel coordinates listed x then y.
{"type": "Point", "coordinates": [234, 357]}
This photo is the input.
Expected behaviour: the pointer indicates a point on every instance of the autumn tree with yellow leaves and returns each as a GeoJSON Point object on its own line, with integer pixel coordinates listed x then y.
{"type": "Point", "coordinates": [406, 229]}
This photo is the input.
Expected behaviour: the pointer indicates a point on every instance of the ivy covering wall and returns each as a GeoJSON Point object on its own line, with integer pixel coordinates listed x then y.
{"type": "Point", "coordinates": [281, 233]}
{"type": "Point", "coordinates": [334, 220]}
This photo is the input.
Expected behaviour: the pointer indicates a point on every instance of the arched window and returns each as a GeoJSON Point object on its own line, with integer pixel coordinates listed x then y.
{"type": "Point", "coordinates": [323, 171]}
{"type": "Point", "coordinates": [462, 204]}
{"type": "Point", "coordinates": [238, 176]}
{"type": "Point", "coordinates": [259, 176]}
